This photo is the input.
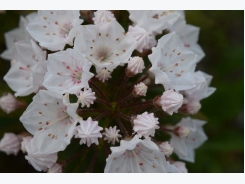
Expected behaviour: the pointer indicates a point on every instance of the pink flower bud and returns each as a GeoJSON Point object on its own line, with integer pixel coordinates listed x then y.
{"type": "Point", "coordinates": [9, 103]}
{"type": "Point", "coordinates": [166, 149]}
{"type": "Point", "coordinates": [55, 168]}
{"type": "Point", "coordinates": [140, 89]}
{"type": "Point", "coordinates": [10, 144]}
{"type": "Point", "coordinates": [135, 66]}
{"type": "Point", "coordinates": [171, 101]}
{"type": "Point", "coordinates": [193, 107]}
{"type": "Point", "coordinates": [182, 131]}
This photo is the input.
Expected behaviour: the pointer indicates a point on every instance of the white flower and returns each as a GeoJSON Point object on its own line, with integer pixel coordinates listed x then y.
{"type": "Point", "coordinates": [166, 148]}
{"type": "Point", "coordinates": [102, 16]}
{"type": "Point", "coordinates": [88, 131]}
{"type": "Point", "coordinates": [171, 101]}
{"type": "Point", "coordinates": [26, 75]}
{"type": "Point", "coordinates": [172, 64]}
{"type": "Point", "coordinates": [136, 156]}
{"type": "Point", "coordinates": [54, 29]}
{"type": "Point", "coordinates": [10, 144]}
{"type": "Point", "coordinates": [154, 20]}
{"type": "Point", "coordinates": [8, 103]}
{"type": "Point", "coordinates": [103, 74]}
{"type": "Point", "coordinates": [86, 97]}
{"type": "Point", "coordinates": [181, 166]}
{"type": "Point", "coordinates": [17, 35]}
{"type": "Point", "coordinates": [41, 162]}
{"type": "Point", "coordinates": [135, 66]}
{"type": "Point", "coordinates": [176, 167]}
{"type": "Point", "coordinates": [55, 168]}
{"type": "Point", "coordinates": [202, 89]}
{"type": "Point", "coordinates": [194, 95]}
{"type": "Point", "coordinates": [188, 139]}
{"type": "Point", "coordinates": [106, 45]}
{"type": "Point", "coordinates": [145, 124]}
{"type": "Point", "coordinates": [145, 40]}
{"type": "Point", "coordinates": [112, 135]}
{"type": "Point", "coordinates": [25, 141]}
{"type": "Point", "coordinates": [51, 119]}
{"type": "Point", "coordinates": [68, 72]}
{"type": "Point", "coordinates": [188, 34]}
{"type": "Point", "coordinates": [140, 89]}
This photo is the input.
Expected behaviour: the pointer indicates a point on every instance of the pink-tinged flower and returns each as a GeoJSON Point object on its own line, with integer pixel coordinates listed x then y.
{"type": "Point", "coordinates": [103, 16]}
{"type": "Point", "coordinates": [26, 75]}
{"type": "Point", "coordinates": [188, 135]}
{"type": "Point", "coordinates": [51, 119]}
{"type": "Point", "coordinates": [171, 101]}
{"type": "Point", "coordinates": [112, 134]}
{"type": "Point", "coordinates": [189, 35]}
{"type": "Point", "coordinates": [135, 66]}
{"type": "Point", "coordinates": [68, 72]}
{"type": "Point", "coordinates": [106, 45]}
{"type": "Point", "coordinates": [103, 74]}
{"type": "Point", "coordinates": [53, 29]}
{"type": "Point", "coordinates": [194, 95]}
{"type": "Point", "coordinates": [181, 166]}
{"type": "Point", "coordinates": [88, 131]}
{"type": "Point", "coordinates": [17, 35]}
{"type": "Point", "coordinates": [8, 103]}
{"type": "Point", "coordinates": [136, 156]}
{"type": "Point", "coordinates": [25, 141]}
{"type": "Point", "coordinates": [145, 40]}
{"type": "Point", "coordinates": [140, 89]}
{"type": "Point", "coordinates": [154, 20]}
{"type": "Point", "coordinates": [166, 148]}
{"type": "Point", "coordinates": [176, 167]}
{"type": "Point", "coordinates": [145, 124]}
{"type": "Point", "coordinates": [86, 97]}
{"type": "Point", "coordinates": [40, 161]}
{"type": "Point", "coordinates": [10, 144]}
{"type": "Point", "coordinates": [55, 168]}
{"type": "Point", "coordinates": [172, 64]}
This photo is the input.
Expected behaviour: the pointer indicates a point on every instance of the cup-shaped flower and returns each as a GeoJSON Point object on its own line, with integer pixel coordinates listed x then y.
{"type": "Point", "coordinates": [88, 131]}
{"type": "Point", "coordinates": [26, 75]}
{"type": "Point", "coordinates": [145, 40]}
{"type": "Point", "coordinates": [17, 35]}
{"type": "Point", "coordinates": [171, 101]}
{"type": "Point", "coordinates": [145, 124]}
{"type": "Point", "coordinates": [10, 144]}
{"type": "Point", "coordinates": [188, 34]}
{"type": "Point", "coordinates": [40, 161]}
{"type": "Point", "coordinates": [172, 64]}
{"type": "Point", "coordinates": [68, 72]}
{"type": "Point", "coordinates": [106, 45]}
{"type": "Point", "coordinates": [136, 156]}
{"type": "Point", "coordinates": [51, 119]}
{"type": "Point", "coordinates": [154, 20]}
{"type": "Point", "coordinates": [184, 146]}
{"type": "Point", "coordinates": [53, 29]}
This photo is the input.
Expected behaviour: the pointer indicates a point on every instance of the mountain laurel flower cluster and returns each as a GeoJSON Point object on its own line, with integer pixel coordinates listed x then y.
{"type": "Point", "coordinates": [104, 95]}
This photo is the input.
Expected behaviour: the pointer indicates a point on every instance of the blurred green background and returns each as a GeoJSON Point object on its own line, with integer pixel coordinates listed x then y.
{"type": "Point", "coordinates": [222, 39]}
